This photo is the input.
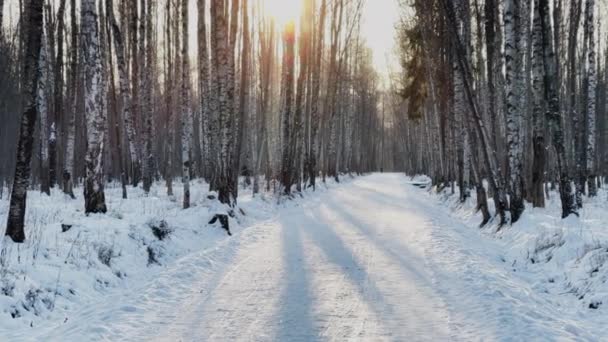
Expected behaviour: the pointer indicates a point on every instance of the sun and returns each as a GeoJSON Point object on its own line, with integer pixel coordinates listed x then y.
{"type": "Point", "coordinates": [283, 11]}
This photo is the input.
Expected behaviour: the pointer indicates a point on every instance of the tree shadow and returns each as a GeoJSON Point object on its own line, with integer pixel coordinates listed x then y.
{"type": "Point", "coordinates": [404, 257]}
{"type": "Point", "coordinates": [337, 252]}
{"type": "Point", "coordinates": [295, 316]}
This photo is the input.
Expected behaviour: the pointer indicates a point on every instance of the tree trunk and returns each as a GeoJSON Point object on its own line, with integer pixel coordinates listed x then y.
{"type": "Point", "coordinates": [148, 107]}
{"type": "Point", "coordinates": [1, 16]}
{"type": "Point", "coordinates": [243, 101]}
{"type": "Point", "coordinates": [225, 92]}
{"type": "Point", "coordinates": [115, 112]}
{"type": "Point", "coordinates": [58, 95]}
{"type": "Point", "coordinates": [489, 155]}
{"type": "Point", "coordinates": [169, 83]}
{"type": "Point", "coordinates": [553, 111]}
{"type": "Point", "coordinates": [186, 112]}
{"type": "Point", "coordinates": [513, 63]}
{"type": "Point", "coordinates": [68, 170]}
{"type": "Point", "coordinates": [575, 14]}
{"type": "Point", "coordinates": [538, 140]}
{"type": "Point", "coordinates": [591, 99]}
{"type": "Point", "coordinates": [287, 163]}
{"type": "Point", "coordinates": [334, 67]}
{"type": "Point", "coordinates": [95, 118]}
{"type": "Point", "coordinates": [203, 65]}
{"type": "Point", "coordinates": [123, 80]}
{"type": "Point", "coordinates": [316, 90]}
{"type": "Point", "coordinates": [42, 102]}
{"type": "Point", "coordinates": [16, 214]}
{"type": "Point", "coordinates": [135, 60]}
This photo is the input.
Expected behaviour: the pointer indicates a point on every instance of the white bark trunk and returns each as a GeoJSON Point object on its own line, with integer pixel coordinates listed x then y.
{"type": "Point", "coordinates": [95, 118]}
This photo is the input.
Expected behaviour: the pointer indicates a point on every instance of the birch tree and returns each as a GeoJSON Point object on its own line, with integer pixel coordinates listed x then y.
{"type": "Point", "coordinates": [203, 67]}
{"type": "Point", "coordinates": [591, 98]}
{"type": "Point", "coordinates": [287, 162]}
{"type": "Point", "coordinates": [32, 73]}
{"type": "Point", "coordinates": [490, 159]}
{"type": "Point", "coordinates": [513, 60]}
{"type": "Point", "coordinates": [95, 118]}
{"type": "Point", "coordinates": [314, 100]}
{"type": "Point", "coordinates": [169, 83]}
{"type": "Point", "coordinates": [539, 161]}
{"type": "Point", "coordinates": [553, 110]}
{"type": "Point", "coordinates": [42, 102]}
{"type": "Point", "coordinates": [186, 119]}
{"type": "Point", "coordinates": [243, 106]}
{"type": "Point", "coordinates": [148, 107]}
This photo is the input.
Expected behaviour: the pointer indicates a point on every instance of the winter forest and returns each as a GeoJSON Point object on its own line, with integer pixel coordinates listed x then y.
{"type": "Point", "coordinates": [303, 170]}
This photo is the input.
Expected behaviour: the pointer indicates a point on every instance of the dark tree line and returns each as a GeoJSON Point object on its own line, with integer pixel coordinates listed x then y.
{"type": "Point", "coordinates": [509, 92]}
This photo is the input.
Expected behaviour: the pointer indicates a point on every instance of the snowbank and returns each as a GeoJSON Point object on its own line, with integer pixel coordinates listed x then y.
{"type": "Point", "coordinates": [563, 259]}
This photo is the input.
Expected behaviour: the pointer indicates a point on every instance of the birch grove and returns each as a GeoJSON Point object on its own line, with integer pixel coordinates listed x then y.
{"type": "Point", "coordinates": [501, 100]}
{"type": "Point", "coordinates": [530, 79]}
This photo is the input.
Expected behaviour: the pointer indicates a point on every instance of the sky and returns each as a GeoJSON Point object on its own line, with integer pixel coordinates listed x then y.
{"type": "Point", "coordinates": [378, 25]}
{"type": "Point", "coordinates": [378, 28]}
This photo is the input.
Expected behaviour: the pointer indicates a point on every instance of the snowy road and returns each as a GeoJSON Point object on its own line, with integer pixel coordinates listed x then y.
{"type": "Point", "coordinates": [371, 260]}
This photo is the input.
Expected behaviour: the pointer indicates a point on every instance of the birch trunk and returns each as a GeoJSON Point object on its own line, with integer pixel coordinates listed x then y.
{"type": "Point", "coordinates": [287, 162]}
{"type": "Point", "coordinates": [591, 99]}
{"type": "Point", "coordinates": [42, 103]}
{"type": "Point", "coordinates": [169, 83]}
{"type": "Point", "coordinates": [539, 161]}
{"type": "Point", "coordinates": [316, 90]}
{"type": "Point", "coordinates": [489, 155]}
{"type": "Point", "coordinates": [95, 118]}
{"type": "Point", "coordinates": [186, 111]}
{"type": "Point", "coordinates": [243, 101]}
{"type": "Point", "coordinates": [203, 64]}
{"type": "Point", "coordinates": [148, 107]}
{"type": "Point", "coordinates": [135, 88]}
{"type": "Point", "coordinates": [123, 80]}
{"type": "Point", "coordinates": [16, 213]}
{"type": "Point", "coordinates": [68, 170]}
{"type": "Point", "coordinates": [112, 88]}
{"type": "Point", "coordinates": [513, 58]}
{"type": "Point", "coordinates": [57, 95]}
{"type": "Point", "coordinates": [225, 92]}
{"type": "Point", "coordinates": [303, 49]}
{"type": "Point", "coordinates": [553, 111]}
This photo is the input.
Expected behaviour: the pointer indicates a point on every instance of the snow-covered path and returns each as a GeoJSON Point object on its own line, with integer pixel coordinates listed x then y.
{"type": "Point", "coordinates": [372, 260]}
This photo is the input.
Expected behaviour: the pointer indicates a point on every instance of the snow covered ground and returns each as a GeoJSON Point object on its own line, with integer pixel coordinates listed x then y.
{"type": "Point", "coordinates": [371, 259]}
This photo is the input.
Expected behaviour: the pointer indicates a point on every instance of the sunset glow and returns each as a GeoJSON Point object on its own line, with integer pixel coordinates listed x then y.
{"type": "Point", "coordinates": [283, 11]}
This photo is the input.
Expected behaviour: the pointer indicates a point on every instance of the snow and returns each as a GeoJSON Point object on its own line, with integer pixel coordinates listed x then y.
{"type": "Point", "coordinates": [67, 270]}
{"type": "Point", "coordinates": [374, 258]}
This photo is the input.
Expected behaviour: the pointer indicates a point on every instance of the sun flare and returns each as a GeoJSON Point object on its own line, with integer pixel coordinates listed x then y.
{"type": "Point", "coordinates": [283, 11]}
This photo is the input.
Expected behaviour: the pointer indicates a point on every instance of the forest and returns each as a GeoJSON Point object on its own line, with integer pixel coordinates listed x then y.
{"type": "Point", "coordinates": [512, 93]}
{"type": "Point", "coordinates": [303, 170]}
{"type": "Point", "coordinates": [503, 92]}
{"type": "Point", "coordinates": [116, 93]}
